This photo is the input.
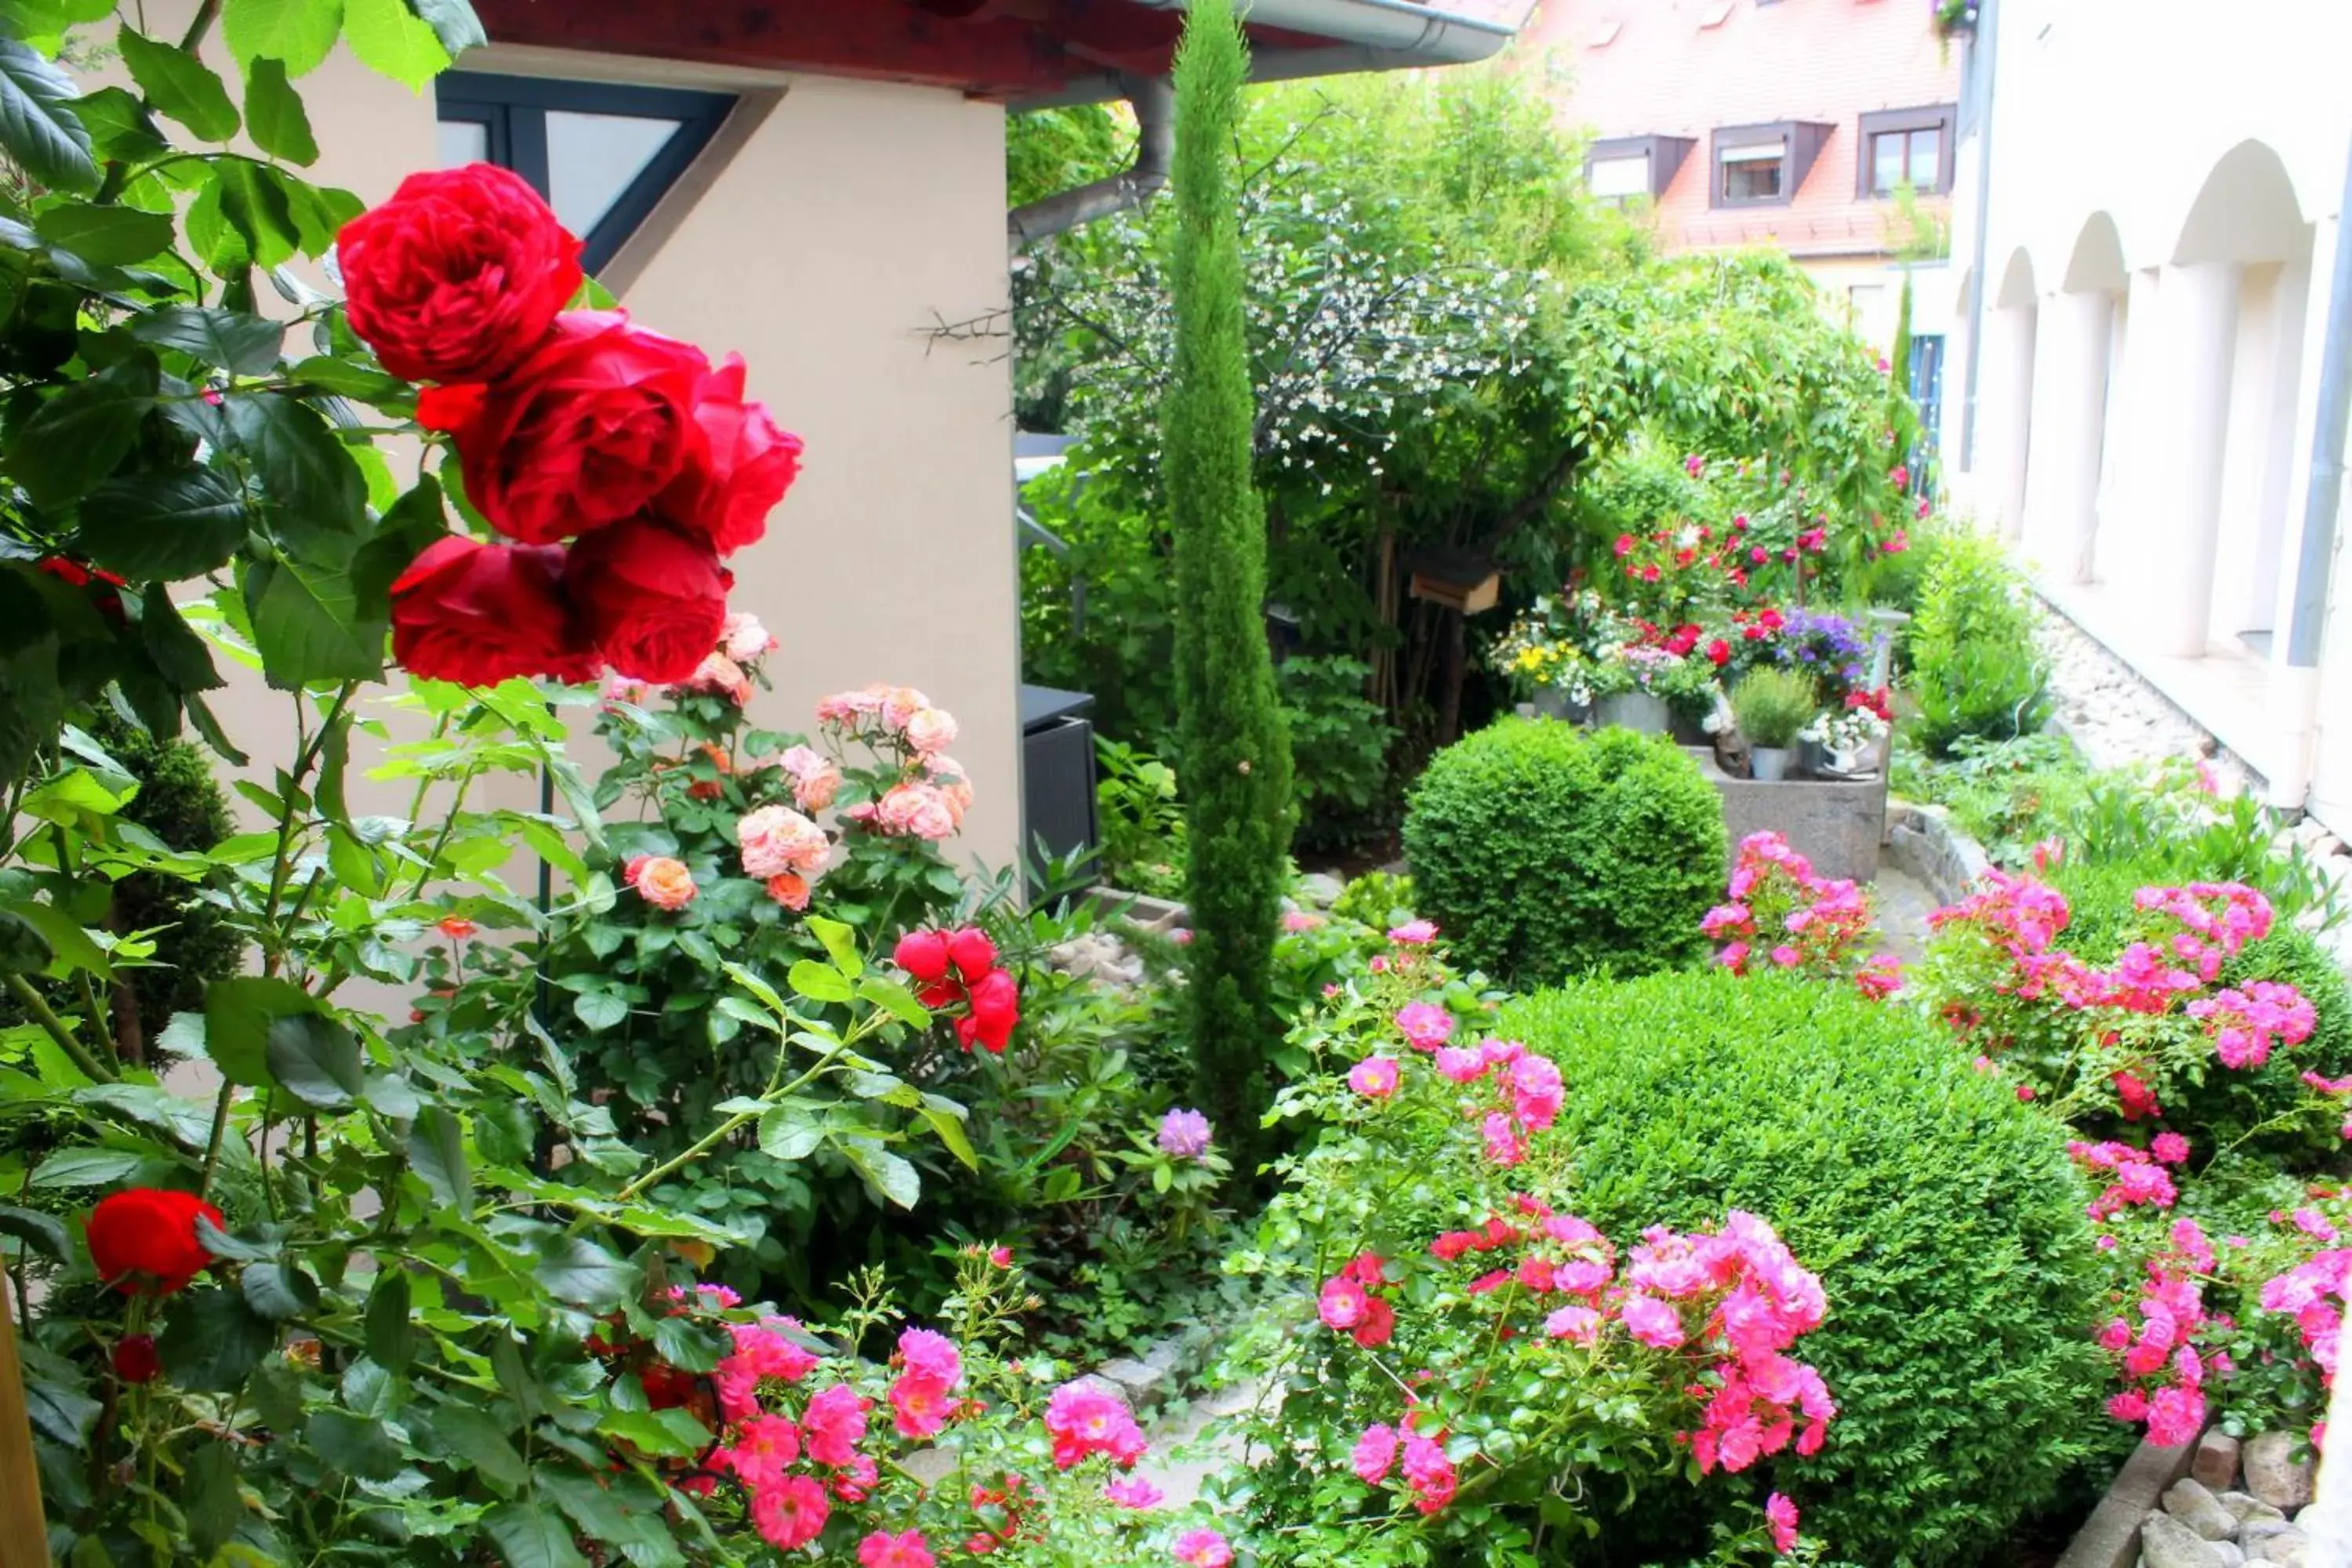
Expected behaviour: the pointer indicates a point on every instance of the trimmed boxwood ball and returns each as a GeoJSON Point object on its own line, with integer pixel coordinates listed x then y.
{"type": "Point", "coordinates": [1941, 1215]}
{"type": "Point", "coordinates": [1544, 853]}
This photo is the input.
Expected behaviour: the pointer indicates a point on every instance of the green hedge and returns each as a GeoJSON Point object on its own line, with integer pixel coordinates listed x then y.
{"type": "Point", "coordinates": [1942, 1215]}
{"type": "Point", "coordinates": [1975, 666]}
{"type": "Point", "coordinates": [1545, 854]}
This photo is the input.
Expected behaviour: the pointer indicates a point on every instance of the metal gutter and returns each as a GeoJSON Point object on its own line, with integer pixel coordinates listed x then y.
{"type": "Point", "coordinates": [1366, 35]}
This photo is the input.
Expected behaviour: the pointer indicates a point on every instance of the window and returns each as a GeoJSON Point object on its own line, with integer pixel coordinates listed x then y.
{"type": "Point", "coordinates": [1906, 147]}
{"type": "Point", "coordinates": [601, 154]}
{"type": "Point", "coordinates": [1764, 165]}
{"type": "Point", "coordinates": [1621, 177]}
{"type": "Point", "coordinates": [1625, 166]}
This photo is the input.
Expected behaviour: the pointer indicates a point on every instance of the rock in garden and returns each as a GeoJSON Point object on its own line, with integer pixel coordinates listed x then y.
{"type": "Point", "coordinates": [1320, 889]}
{"type": "Point", "coordinates": [2198, 1509]}
{"type": "Point", "coordinates": [2271, 1475]}
{"type": "Point", "coordinates": [2232, 1557]}
{"type": "Point", "coordinates": [2166, 1543]}
{"type": "Point", "coordinates": [2256, 1531]}
{"type": "Point", "coordinates": [2288, 1548]}
{"type": "Point", "coordinates": [1140, 1383]}
{"type": "Point", "coordinates": [2248, 1509]}
{"type": "Point", "coordinates": [2215, 1467]}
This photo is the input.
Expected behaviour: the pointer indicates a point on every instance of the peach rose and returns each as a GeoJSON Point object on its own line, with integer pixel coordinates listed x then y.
{"type": "Point", "coordinates": [930, 730]}
{"type": "Point", "coordinates": [661, 880]}
{"type": "Point", "coordinates": [900, 704]}
{"type": "Point", "coordinates": [745, 639]}
{"type": "Point", "coordinates": [919, 809]}
{"type": "Point", "coordinates": [789, 890]}
{"type": "Point", "coordinates": [816, 778]}
{"type": "Point", "coordinates": [948, 778]}
{"type": "Point", "coordinates": [777, 839]}
{"type": "Point", "coordinates": [721, 674]}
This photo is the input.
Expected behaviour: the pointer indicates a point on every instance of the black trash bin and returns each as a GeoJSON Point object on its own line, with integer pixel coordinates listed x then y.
{"type": "Point", "coordinates": [1057, 769]}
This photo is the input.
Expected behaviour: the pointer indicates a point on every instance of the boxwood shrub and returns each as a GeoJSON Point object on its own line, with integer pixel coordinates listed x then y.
{"type": "Point", "coordinates": [2230, 1104]}
{"type": "Point", "coordinates": [1942, 1215]}
{"type": "Point", "coordinates": [1545, 853]}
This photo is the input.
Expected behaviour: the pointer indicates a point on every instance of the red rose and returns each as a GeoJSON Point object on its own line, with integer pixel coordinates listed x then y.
{"type": "Point", "coordinates": [974, 954]}
{"type": "Point", "coordinates": [142, 1241]}
{"type": "Point", "coordinates": [583, 432]}
{"type": "Point", "coordinates": [995, 1009]}
{"type": "Point", "coordinates": [923, 954]}
{"type": "Point", "coordinates": [739, 471]}
{"type": "Point", "coordinates": [1718, 653]}
{"type": "Point", "coordinates": [651, 601]}
{"type": "Point", "coordinates": [478, 614]}
{"type": "Point", "coordinates": [458, 276]}
{"type": "Point", "coordinates": [135, 1360]}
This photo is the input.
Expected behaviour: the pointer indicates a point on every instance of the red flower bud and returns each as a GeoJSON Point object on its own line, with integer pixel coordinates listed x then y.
{"type": "Point", "coordinates": [135, 1360]}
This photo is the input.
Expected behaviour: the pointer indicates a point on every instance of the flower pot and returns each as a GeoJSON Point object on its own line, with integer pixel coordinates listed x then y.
{"type": "Point", "coordinates": [1551, 702]}
{"type": "Point", "coordinates": [1768, 765]}
{"type": "Point", "coordinates": [1634, 711]}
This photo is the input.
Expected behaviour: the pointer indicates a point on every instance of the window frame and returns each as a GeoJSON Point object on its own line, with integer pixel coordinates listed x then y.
{"type": "Point", "coordinates": [513, 111]}
{"type": "Point", "coordinates": [1666, 156]}
{"type": "Point", "coordinates": [1938, 116]}
{"type": "Point", "coordinates": [1800, 145]}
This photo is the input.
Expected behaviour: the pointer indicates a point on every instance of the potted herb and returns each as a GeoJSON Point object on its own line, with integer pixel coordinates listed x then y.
{"type": "Point", "coordinates": [1772, 707]}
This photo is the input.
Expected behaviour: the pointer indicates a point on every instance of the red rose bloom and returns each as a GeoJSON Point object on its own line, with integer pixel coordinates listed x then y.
{"type": "Point", "coordinates": [585, 431]}
{"type": "Point", "coordinates": [995, 1009]}
{"type": "Point", "coordinates": [923, 954]}
{"type": "Point", "coordinates": [458, 276]}
{"type": "Point", "coordinates": [739, 471]}
{"type": "Point", "coordinates": [135, 1360]}
{"type": "Point", "coordinates": [974, 954]}
{"type": "Point", "coordinates": [1718, 653]}
{"type": "Point", "coordinates": [478, 614]}
{"type": "Point", "coordinates": [651, 601]}
{"type": "Point", "coordinates": [143, 1241]}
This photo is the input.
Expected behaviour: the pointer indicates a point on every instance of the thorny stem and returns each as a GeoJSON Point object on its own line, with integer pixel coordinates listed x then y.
{"type": "Point", "coordinates": [33, 1002]}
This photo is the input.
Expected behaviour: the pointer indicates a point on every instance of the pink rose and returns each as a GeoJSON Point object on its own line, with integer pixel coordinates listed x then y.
{"type": "Point", "coordinates": [930, 730]}
{"type": "Point", "coordinates": [918, 809]}
{"type": "Point", "coordinates": [1374, 1077]}
{"type": "Point", "coordinates": [661, 880]}
{"type": "Point", "coordinates": [743, 638]}
{"type": "Point", "coordinates": [776, 839]}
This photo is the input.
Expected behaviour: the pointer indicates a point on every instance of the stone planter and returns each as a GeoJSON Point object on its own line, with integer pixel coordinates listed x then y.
{"type": "Point", "coordinates": [1768, 765]}
{"type": "Point", "coordinates": [1553, 703]}
{"type": "Point", "coordinates": [1634, 711]}
{"type": "Point", "coordinates": [1837, 823]}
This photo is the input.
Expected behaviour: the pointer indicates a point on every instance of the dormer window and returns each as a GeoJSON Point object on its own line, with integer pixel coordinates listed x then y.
{"type": "Point", "coordinates": [1625, 166]}
{"type": "Point", "coordinates": [1762, 166]}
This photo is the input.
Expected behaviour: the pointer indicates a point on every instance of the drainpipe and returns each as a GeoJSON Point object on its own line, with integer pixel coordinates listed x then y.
{"type": "Point", "coordinates": [2306, 627]}
{"type": "Point", "coordinates": [1983, 48]}
{"type": "Point", "coordinates": [1155, 145]}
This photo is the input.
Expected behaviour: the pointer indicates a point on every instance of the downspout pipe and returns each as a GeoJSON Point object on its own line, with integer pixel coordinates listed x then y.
{"type": "Point", "coordinates": [1984, 49]}
{"type": "Point", "coordinates": [2306, 627]}
{"type": "Point", "coordinates": [1155, 145]}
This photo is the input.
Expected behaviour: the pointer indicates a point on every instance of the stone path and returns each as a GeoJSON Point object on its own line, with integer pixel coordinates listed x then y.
{"type": "Point", "coordinates": [1904, 902]}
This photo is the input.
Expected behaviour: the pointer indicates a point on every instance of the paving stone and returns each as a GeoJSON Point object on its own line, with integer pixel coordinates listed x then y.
{"type": "Point", "coordinates": [2216, 1464]}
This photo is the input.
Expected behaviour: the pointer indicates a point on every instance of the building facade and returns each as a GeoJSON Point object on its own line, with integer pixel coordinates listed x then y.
{"type": "Point", "coordinates": [2147, 229]}
{"type": "Point", "coordinates": [1791, 124]}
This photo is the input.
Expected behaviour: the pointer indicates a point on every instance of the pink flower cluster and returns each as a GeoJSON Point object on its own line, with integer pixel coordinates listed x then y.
{"type": "Point", "coordinates": [784, 849]}
{"type": "Point", "coordinates": [1528, 1093]}
{"type": "Point", "coordinates": [2316, 1293]}
{"type": "Point", "coordinates": [1351, 1301]}
{"type": "Point", "coordinates": [2164, 1372]}
{"type": "Point", "coordinates": [1089, 1417]}
{"type": "Point", "coordinates": [1816, 924]}
{"type": "Point", "coordinates": [788, 1509]}
{"type": "Point", "coordinates": [2136, 1176]}
{"type": "Point", "coordinates": [1430, 1477]}
{"type": "Point", "coordinates": [2217, 920]}
{"type": "Point", "coordinates": [2247, 1025]}
{"type": "Point", "coordinates": [922, 1397]}
{"type": "Point", "coordinates": [1424, 1025]}
{"type": "Point", "coordinates": [930, 799]}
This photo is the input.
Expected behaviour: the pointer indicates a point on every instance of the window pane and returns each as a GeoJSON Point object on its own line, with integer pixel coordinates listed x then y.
{"type": "Point", "coordinates": [1885, 162]}
{"type": "Point", "coordinates": [464, 142]}
{"type": "Point", "coordinates": [1926, 157]}
{"type": "Point", "coordinates": [1622, 176]}
{"type": "Point", "coordinates": [591, 158]}
{"type": "Point", "coordinates": [1752, 179]}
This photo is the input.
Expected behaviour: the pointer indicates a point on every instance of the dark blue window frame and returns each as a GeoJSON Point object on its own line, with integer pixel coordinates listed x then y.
{"type": "Point", "coordinates": [513, 110]}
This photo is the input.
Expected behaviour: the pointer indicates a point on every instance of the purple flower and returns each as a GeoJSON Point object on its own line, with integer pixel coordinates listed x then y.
{"type": "Point", "coordinates": [1184, 1134]}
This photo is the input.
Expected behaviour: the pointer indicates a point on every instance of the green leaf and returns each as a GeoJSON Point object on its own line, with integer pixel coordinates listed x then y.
{"type": "Point", "coordinates": [213, 1340]}
{"type": "Point", "coordinates": [214, 1505]}
{"type": "Point", "coordinates": [840, 943]}
{"type": "Point", "coordinates": [86, 1168]}
{"type": "Point", "coordinates": [246, 344]}
{"type": "Point", "coordinates": [436, 1152]}
{"type": "Point", "coordinates": [238, 1014]}
{"type": "Point", "coordinates": [301, 33]}
{"type": "Point", "coordinates": [950, 1127]}
{"type": "Point", "coordinates": [106, 236]}
{"type": "Point", "coordinates": [307, 626]}
{"type": "Point", "coordinates": [63, 1415]}
{"type": "Point", "coordinates": [23, 949]}
{"type": "Point", "coordinates": [179, 85]}
{"type": "Point", "coordinates": [894, 999]}
{"type": "Point", "coordinates": [183, 658]}
{"type": "Point", "coordinates": [119, 126]}
{"type": "Point", "coordinates": [71, 948]}
{"type": "Point", "coordinates": [39, 1231]}
{"type": "Point", "coordinates": [665, 1434]}
{"type": "Point", "coordinates": [790, 1132]}
{"type": "Point", "coordinates": [345, 379]}
{"type": "Point", "coordinates": [454, 22]}
{"type": "Point", "coordinates": [359, 1449]}
{"type": "Point", "coordinates": [531, 1535]}
{"type": "Point", "coordinates": [237, 1249]}
{"type": "Point", "coordinates": [390, 1337]}
{"type": "Point", "coordinates": [819, 982]}
{"type": "Point", "coordinates": [388, 38]}
{"type": "Point", "coordinates": [78, 436]}
{"type": "Point", "coordinates": [316, 496]}
{"type": "Point", "coordinates": [688, 1345]}
{"type": "Point", "coordinates": [600, 1010]}
{"type": "Point", "coordinates": [598, 1512]}
{"type": "Point", "coordinates": [278, 1290]}
{"type": "Point", "coordinates": [316, 1060]}
{"type": "Point", "coordinates": [891, 1176]}
{"type": "Point", "coordinates": [250, 199]}
{"type": "Point", "coordinates": [276, 1394]}
{"type": "Point", "coordinates": [40, 134]}
{"type": "Point", "coordinates": [575, 1269]}
{"type": "Point", "coordinates": [176, 524]}
{"type": "Point", "coordinates": [480, 1439]}
{"type": "Point", "coordinates": [274, 115]}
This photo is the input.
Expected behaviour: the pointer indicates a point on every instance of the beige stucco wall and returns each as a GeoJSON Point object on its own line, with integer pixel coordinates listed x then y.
{"type": "Point", "coordinates": [857, 218]}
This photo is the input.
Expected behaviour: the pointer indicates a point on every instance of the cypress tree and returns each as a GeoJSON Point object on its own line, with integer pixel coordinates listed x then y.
{"type": "Point", "coordinates": [1236, 748]}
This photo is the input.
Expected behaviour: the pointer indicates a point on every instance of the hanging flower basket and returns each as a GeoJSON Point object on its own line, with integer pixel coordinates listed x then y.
{"type": "Point", "coordinates": [1954, 19]}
